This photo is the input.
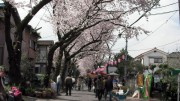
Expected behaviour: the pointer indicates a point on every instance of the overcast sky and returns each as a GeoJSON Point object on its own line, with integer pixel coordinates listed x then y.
{"type": "Point", "coordinates": [165, 30]}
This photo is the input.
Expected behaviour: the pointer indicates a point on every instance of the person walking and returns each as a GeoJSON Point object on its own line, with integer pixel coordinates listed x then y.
{"type": "Point", "coordinates": [99, 87]}
{"type": "Point", "coordinates": [104, 81]}
{"type": "Point", "coordinates": [73, 82]}
{"type": "Point", "coordinates": [68, 83]}
{"type": "Point", "coordinates": [58, 83]}
{"type": "Point", "coordinates": [95, 86]}
{"type": "Point", "coordinates": [109, 87]}
{"type": "Point", "coordinates": [89, 84]}
{"type": "Point", "coordinates": [123, 81]}
{"type": "Point", "coordinates": [79, 83]}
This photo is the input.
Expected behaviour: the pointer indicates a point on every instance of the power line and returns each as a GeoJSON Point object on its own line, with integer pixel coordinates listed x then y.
{"type": "Point", "coordinates": [157, 46]}
{"type": "Point", "coordinates": [169, 43]}
{"type": "Point", "coordinates": [135, 21]}
{"type": "Point", "coordinates": [165, 5]}
{"type": "Point", "coordinates": [49, 11]}
{"type": "Point", "coordinates": [164, 12]}
{"type": "Point", "coordinates": [154, 32]}
{"type": "Point", "coordinates": [161, 25]}
{"type": "Point", "coordinates": [157, 28]}
{"type": "Point", "coordinates": [40, 19]}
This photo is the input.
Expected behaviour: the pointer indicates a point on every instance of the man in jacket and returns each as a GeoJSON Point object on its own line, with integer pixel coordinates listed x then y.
{"type": "Point", "coordinates": [68, 83]}
{"type": "Point", "coordinates": [99, 87]}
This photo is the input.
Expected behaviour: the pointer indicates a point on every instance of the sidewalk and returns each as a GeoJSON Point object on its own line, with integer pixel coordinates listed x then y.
{"type": "Point", "coordinates": [83, 95]}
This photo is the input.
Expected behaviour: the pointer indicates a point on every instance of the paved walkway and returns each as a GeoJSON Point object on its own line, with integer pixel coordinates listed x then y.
{"type": "Point", "coordinates": [83, 95]}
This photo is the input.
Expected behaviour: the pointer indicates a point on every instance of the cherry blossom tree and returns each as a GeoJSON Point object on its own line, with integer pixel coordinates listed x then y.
{"type": "Point", "coordinates": [72, 18]}
{"type": "Point", "coordinates": [86, 43]}
{"type": "Point", "coordinates": [90, 59]}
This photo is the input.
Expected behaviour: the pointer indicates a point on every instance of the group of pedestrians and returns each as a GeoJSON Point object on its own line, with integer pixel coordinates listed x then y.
{"type": "Point", "coordinates": [68, 84]}
{"type": "Point", "coordinates": [103, 86]}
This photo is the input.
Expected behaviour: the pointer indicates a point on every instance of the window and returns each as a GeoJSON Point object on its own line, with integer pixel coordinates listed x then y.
{"type": "Point", "coordinates": [158, 60]}
{"type": "Point", "coordinates": [36, 69]}
{"type": "Point", "coordinates": [33, 44]}
{"type": "Point", "coordinates": [155, 60]}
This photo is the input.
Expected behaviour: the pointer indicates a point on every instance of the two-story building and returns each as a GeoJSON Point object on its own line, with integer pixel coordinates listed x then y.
{"type": "Point", "coordinates": [29, 42]}
{"type": "Point", "coordinates": [42, 55]}
{"type": "Point", "coordinates": [152, 57]}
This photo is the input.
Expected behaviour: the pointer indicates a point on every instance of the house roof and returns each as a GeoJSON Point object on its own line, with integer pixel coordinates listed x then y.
{"type": "Point", "coordinates": [152, 50]}
{"type": "Point", "coordinates": [174, 55]}
{"type": "Point", "coordinates": [33, 31]}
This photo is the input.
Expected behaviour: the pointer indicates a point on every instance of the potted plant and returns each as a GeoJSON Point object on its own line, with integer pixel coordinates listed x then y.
{"type": "Point", "coordinates": [44, 94]}
{"type": "Point", "coordinates": [30, 91]}
{"type": "Point", "coordinates": [38, 93]}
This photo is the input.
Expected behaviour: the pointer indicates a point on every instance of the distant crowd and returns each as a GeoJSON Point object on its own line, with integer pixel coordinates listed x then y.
{"type": "Point", "coordinates": [100, 85]}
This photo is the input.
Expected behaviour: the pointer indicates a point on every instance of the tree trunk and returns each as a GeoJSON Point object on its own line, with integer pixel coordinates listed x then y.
{"type": "Point", "coordinates": [14, 72]}
{"type": "Point", "coordinates": [64, 72]}
{"type": "Point", "coordinates": [58, 66]}
{"type": "Point", "coordinates": [48, 68]}
{"type": "Point", "coordinates": [50, 59]}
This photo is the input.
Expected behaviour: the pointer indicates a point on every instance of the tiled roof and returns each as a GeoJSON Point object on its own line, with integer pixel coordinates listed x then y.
{"type": "Point", "coordinates": [154, 49]}
{"type": "Point", "coordinates": [174, 54]}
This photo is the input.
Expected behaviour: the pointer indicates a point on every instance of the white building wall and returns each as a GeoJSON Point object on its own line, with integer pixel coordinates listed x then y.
{"type": "Point", "coordinates": [153, 54]}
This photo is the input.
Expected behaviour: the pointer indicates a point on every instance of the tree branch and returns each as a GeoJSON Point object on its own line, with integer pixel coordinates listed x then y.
{"type": "Point", "coordinates": [78, 51]}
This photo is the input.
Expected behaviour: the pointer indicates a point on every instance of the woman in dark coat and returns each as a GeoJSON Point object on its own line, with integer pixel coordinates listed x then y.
{"type": "Point", "coordinates": [99, 87]}
{"type": "Point", "coordinates": [109, 87]}
{"type": "Point", "coordinates": [89, 83]}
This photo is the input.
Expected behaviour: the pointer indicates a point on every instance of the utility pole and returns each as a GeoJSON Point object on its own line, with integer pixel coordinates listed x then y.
{"type": "Point", "coordinates": [179, 9]}
{"type": "Point", "coordinates": [126, 53]}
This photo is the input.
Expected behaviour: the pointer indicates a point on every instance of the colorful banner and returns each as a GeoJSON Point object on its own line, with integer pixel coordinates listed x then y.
{"type": "Point", "coordinates": [140, 80]}
{"type": "Point", "coordinates": [147, 86]}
